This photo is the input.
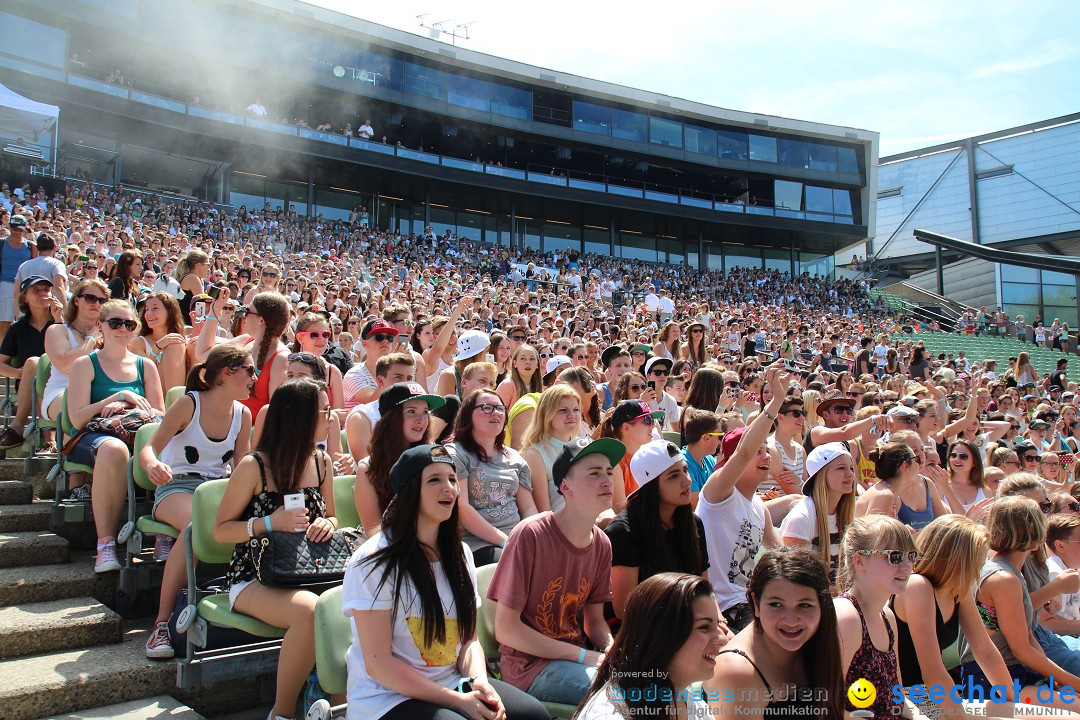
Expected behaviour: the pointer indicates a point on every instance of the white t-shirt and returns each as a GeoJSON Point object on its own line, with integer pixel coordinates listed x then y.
{"type": "Point", "coordinates": [652, 302]}
{"type": "Point", "coordinates": [1070, 602]}
{"type": "Point", "coordinates": [879, 355]}
{"type": "Point", "coordinates": [734, 530]}
{"type": "Point", "coordinates": [367, 698]}
{"type": "Point", "coordinates": [801, 524]}
{"type": "Point", "coordinates": [167, 283]}
{"type": "Point", "coordinates": [667, 306]}
{"type": "Point", "coordinates": [670, 407]}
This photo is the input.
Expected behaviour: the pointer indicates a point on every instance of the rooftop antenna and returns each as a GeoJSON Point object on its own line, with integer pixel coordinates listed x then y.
{"type": "Point", "coordinates": [446, 27]}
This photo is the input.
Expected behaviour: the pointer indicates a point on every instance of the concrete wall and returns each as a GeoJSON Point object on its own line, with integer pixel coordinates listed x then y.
{"type": "Point", "coordinates": [970, 281]}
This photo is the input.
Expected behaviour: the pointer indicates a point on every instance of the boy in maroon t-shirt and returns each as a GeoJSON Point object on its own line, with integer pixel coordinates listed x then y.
{"type": "Point", "coordinates": [556, 566]}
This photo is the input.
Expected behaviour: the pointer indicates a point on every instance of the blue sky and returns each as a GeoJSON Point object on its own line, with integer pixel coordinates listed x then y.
{"type": "Point", "coordinates": [918, 72]}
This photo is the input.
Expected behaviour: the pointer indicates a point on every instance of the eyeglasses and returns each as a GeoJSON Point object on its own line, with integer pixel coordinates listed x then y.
{"type": "Point", "coordinates": [249, 369]}
{"type": "Point", "coordinates": [380, 337]}
{"type": "Point", "coordinates": [1050, 463]}
{"type": "Point", "coordinates": [896, 557]}
{"type": "Point", "coordinates": [733, 384]}
{"type": "Point", "coordinates": [117, 323]}
{"type": "Point", "coordinates": [94, 299]}
{"type": "Point", "coordinates": [659, 372]}
{"type": "Point", "coordinates": [1014, 427]}
{"type": "Point", "coordinates": [855, 394]}
{"type": "Point", "coordinates": [636, 388]}
{"type": "Point", "coordinates": [326, 334]}
{"type": "Point", "coordinates": [517, 338]}
{"type": "Point", "coordinates": [328, 411]}
{"type": "Point", "coordinates": [959, 456]}
{"type": "Point", "coordinates": [795, 413]}
{"type": "Point", "coordinates": [303, 357]}
{"type": "Point", "coordinates": [489, 408]}
{"type": "Point", "coordinates": [250, 311]}
{"type": "Point", "coordinates": [354, 322]}
{"type": "Point", "coordinates": [696, 331]}
{"type": "Point", "coordinates": [1046, 506]}
{"type": "Point", "coordinates": [909, 421]}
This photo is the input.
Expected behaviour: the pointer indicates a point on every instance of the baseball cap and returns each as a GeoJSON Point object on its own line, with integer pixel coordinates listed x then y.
{"type": "Point", "coordinates": [608, 354]}
{"type": "Point", "coordinates": [17, 221]}
{"type": "Point", "coordinates": [642, 348]}
{"type": "Point", "coordinates": [403, 392]}
{"type": "Point", "coordinates": [656, 361]}
{"type": "Point", "coordinates": [818, 458]}
{"type": "Point", "coordinates": [413, 461]}
{"type": "Point", "coordinates": [902, 411]}
{"type": "Point", "coordinates": [381, 327]}
{"type": "Point", "coordinates": [33, 280]}
{"type": "Point", "coordinates": [730, 443]}
{"type": "Point", "coordinates": [1038, 425]}
{"type": "Point", "coordinates": [631, 410]}
{"type": "Point", "coordinates": [653, 459]}
{"type": "Point", "coordinates": [577, 449]}
{"type": "Point", "coordinates": [470, 344]}
{"type": "Point", "coordinates": [554, 363]}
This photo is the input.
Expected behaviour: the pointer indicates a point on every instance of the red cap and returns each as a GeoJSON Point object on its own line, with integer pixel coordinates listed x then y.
{"type": "Point", "coordinates": [730, 443]}
{"type": "Point", "coordinates": [378, 327]}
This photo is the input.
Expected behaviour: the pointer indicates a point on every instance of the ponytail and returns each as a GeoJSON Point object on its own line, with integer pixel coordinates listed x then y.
{"type": "Point", "coordinates": [207, 374]}
{"type": "Point", "coordinates": [196, 380]}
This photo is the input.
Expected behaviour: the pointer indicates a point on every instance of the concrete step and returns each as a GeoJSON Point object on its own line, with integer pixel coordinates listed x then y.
{"type": "Point", "coordinates": [39, 583]}
{"type": "Point", "coordinates": [23, 518]}
{"type": "Point", "coordinates": [55, 683]}
{"type": "Point", "coordinates": [67, 624]}
{"type": "Point", "coordinates": [155, 708]}
{"type": "Point", "coordinates": [15, 491]}
{"type": "Point", "coordinates": [32, 548]}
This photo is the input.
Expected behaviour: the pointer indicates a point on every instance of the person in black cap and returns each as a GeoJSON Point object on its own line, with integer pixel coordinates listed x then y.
{"type": "Point", "coordinates": [411, 591]}
{"type": "Point", "coordinates": [556, 567]}
{"type": "Point", "coordinates": [405, 422]}
{"type": "Point", "coordinates": [23, 345]}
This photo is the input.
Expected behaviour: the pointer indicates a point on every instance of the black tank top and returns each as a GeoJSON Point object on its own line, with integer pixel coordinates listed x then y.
{"type": "Point", "coordinates": [948, 637]}
{"type": "Point", "coordinates": [787, 707]}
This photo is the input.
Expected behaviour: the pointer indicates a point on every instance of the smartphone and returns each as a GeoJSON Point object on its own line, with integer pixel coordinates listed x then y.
{"type": "Point", "coordinates": [1068, 459]}
{"type": "Point", "coordinates": [790, 366]}
{"type": "Point", "coordinates": [214, 291]}
{"type": "Point", "coordinates": [652, 385]}
{"type": "Point", "coordinates": [84, 258]}
{"type": "Point", "coordinates": [295, 501]}
{"type": "Point", "coordinates": [200, 310]}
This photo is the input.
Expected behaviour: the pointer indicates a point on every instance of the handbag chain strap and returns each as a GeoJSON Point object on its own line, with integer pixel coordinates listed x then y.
{"type": "Point", "coordinates": [258, 547]}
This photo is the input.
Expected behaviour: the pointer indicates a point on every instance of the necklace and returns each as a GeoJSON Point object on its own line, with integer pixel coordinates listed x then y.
{"type": "Point", "coordinates": [76, 329]}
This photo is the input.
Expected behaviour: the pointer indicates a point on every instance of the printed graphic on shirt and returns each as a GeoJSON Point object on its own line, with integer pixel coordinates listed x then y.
{"type": "Point", "coordinates": [558, 609]}
{"type": "Point", "coordinates": [436, 654]}
{"type": "Point", "coordinates": [742, 554]}
{"type": "Point", "coordinates": [493, 494]}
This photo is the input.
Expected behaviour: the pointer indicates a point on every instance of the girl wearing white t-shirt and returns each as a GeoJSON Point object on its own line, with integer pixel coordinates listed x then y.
{"type": "Point", "coordinates": [411, 593]}
{"type": "Point", "coordinates": [819, 521]}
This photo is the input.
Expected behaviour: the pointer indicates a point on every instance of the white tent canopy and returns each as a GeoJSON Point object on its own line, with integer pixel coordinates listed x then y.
{"type": "Point", "coordinates": [22, 117]}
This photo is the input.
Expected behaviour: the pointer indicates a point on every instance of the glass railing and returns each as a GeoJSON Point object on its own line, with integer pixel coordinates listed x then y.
{"type": "Point", "coordinates": [599, 184]}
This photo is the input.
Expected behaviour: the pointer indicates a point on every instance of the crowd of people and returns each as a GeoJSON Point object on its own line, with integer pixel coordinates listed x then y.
{"type": "Point", "coordinates": [749, 480]}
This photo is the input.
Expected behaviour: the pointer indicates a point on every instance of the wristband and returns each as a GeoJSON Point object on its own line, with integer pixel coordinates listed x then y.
{"type": "Point", "coordinates": [581, 657]}
{"type": "Point", "coordinates": [212, 317]}
{"type": "Point", "coordinates": [266, 521]}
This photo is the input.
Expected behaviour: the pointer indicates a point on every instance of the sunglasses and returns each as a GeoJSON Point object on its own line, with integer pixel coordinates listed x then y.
{"type": "Point", "coordinates": [380, 337]}
{"type": "Point", "coordinates": [696, 331]}
{"type": "Point", "coordinates": [545, 356]}
{"type": "Point", "coordinates": [959, 456]}
{"type": "Point", "coordinates": [269, 274]}
{"type": "Point", "coordinates": [1030, 458]}
{"type": "Point", "coordinates": [489, 408]}
{"type": "Point", "coordinates": [896, 557]}
{"type": "Point", "coordinates": [636, 388]}
{"type": "Point", "coordinates": [659, 372]}
{"type": "Point", "coordinates": [795, 413]}
{"type": "Point", "coordinates": [717, 434]}
{"type": "Point", "coordinates": [1072, 505]}
{"type": "Point", "coordinates": [316, 335]}
{"type": "Point", "coordinates": [844, 410]}
{"type": "Point", "coordinates": [303, 357]}
{"type": "Point", "coordinates": [94, 299]}
{"type": "Point", "coordinates": [249, 369]}
{"type": "Point", "coordinates": [517, 338]}
{"type": "Point", "coordinates": [354, 322]}
{"type": "Point", "coordinates": [644, 420]}
{"type": "Point", "coordinates": [117, 323]}
{"type": "Point", "coordinates": [855, 394]}
{"type": "Point", "coordinates": [909, 421]}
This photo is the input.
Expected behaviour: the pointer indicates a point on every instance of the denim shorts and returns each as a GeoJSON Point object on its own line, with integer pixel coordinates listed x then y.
{"type": "Point", "coordinates": [86, 450]}
{"type": "Point", "coordinates": [179, 484]}
{"type": "Point", "coordinates": [562, 681]}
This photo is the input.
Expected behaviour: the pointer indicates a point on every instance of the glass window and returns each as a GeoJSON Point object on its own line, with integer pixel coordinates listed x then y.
{"type": "Point", "coordinates": [842, 202]}
{"type": "Point", "coordinates": [1012, 273]}
{"type": "Point", "coordinates": [818, 199]}
{"type": "Point", "coordinates": [637, 247]}
{"type": "Point", "coordinates": [665, 132]}
{"type": "Point", "coordinates": [335, 205]}
{"type": "Point", "coordinates": [794, 154]}
{"type": "Point", "coordinates": [597, 241]}
{"type": "Point", "coordinates": [424, 80]}
{"type": "Point", "coordinates": [700, 140]}
{"type": "Point", "coordinates": [441, 220]}
{"type": "Point", "coordinates": [629, 125]}
{"type": "Point", "coordinates": [1028, 311]}
{"type": "Point", "coordinates": [762, 149]}
{"type": "Point", "coordinates": [1050, 277]}
{"type": "Point", "coordinates": [1059, 295]}
{"type": "Point", "coordinates": [778, 260]}
{"type": "Point", "coordinates": [592, 118]}
{"type": "Point", "coordinates": [674, 250]}
{"type": "Point", "coordinates": [561, 237]}
{"type": "Point", "coordinates": [1020, 293]}
{"type": "Point", "coordinates": [1064, 313]}
{"type": "Point", "coordinates": [468, 92]}
{"type": "Point", "coordinates": [848, 160]}
{"type": "Point", "coordinates": [470, 226]}
{"type": "Point", "coordinates": [34, 41]}
{"type": "Point", "coordinates": [511, 101]}
{"type": "Point", "coordinates": [788, 195]}
{"type": "Point", "coordinates": [743, 257]}
{"type": "Point", "coordinates": [732, 145]}
{"type": "Point", "coordinates": [713, 257]}
{"type": "Point", "coordinates": [822, 157]}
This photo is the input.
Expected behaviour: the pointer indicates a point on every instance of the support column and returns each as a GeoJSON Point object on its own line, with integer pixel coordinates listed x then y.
{"type": "Point", "coordinates": [311, 193]}
{"type": "Point", "coordinates": [973, 193]}
{"type": "Point", "coordinates": [513, 222]}
{"type": "Point", "coordinates": [611, 235]}
{"type": "Point", "coordinates": [793, 256]}
{"type": "Point", "coordinates": [939, 270]}
{"type": "Point", "coordinates": [703, 260]}
{"type": "Point", "coordinates": [427, 206]}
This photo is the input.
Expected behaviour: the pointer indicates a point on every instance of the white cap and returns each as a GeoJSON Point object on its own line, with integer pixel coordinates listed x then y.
{"type": "Point", "coordinates": [902, 411]}
{"type": "Point", "coordinates": [652, 459]}
{"type": "Point", "coordinates": [555, 362]}
{"type": "Point", "coordinates": [818, 458]}
{"type": "Point", "coordinates": [470, 344]}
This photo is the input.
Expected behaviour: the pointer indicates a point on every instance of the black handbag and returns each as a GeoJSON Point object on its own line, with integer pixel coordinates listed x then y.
{"type": "Point", "coordinates": [217, 636]}
{"type": "Point", "coordinates": [290, 560]}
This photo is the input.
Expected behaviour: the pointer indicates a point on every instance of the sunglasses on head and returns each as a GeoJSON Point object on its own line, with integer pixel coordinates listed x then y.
{"type": "Point", "coordinates": [117, 323]}
{"type": "Point", "coordinates": [316, 335]}
{"type": "Point", "coordinates": [303, 357]}
{"type": "Point", "coordinates": [896, 557]}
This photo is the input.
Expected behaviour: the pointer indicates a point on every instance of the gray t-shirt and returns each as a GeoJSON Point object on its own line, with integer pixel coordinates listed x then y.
{"type": "Point", "coordinates": [492, 486]}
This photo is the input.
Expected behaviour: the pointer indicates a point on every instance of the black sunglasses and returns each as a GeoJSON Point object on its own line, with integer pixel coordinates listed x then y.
{"type": "Point", "coordinates": [94, 299]}
{"type": "Point", "coordinates": [379, 337]}
{"type": "Point", "coordinates": [795, 413]}
{"type": "Point", "coordinates": [117, 323]}
{"type": "Point", "coordinates": [249, 369]}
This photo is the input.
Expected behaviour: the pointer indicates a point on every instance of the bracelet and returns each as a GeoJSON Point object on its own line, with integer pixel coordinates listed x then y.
{"type": "Point", "coordinates": [212, 317]}
{"type": "Point", "coordinates": [251, 527]}
{"type": "Point", "coordinates": [765, 412]}
{"type": "Point", "coordinates": [266, 521]}
{"type": "Point", "coordinates": [581, 657]}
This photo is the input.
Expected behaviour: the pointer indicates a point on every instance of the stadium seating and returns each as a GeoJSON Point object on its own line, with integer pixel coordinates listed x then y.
{"type": "Point", "coordinates": [137, 573]}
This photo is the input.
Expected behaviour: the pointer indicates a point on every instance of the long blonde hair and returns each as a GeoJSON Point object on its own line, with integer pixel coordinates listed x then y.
{"type": "Point", "coordinates": [536, 382]}
{"type": "Point", "coordinates": [870, 532]}
{"type": "Point", "coordinates": [951, 551]}
{"type": "Point", "coordinates": [539, 430]}
{"type": "Point", "coordinates": [845, 513]}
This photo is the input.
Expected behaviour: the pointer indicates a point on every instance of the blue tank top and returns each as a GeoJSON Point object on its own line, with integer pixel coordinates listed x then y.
{"type": "Point", "coordinates": [915, 518]}
{"type": "Point", "coordinates": [103, 386]}
{"type": "Point", "coordinates": [11, 258]}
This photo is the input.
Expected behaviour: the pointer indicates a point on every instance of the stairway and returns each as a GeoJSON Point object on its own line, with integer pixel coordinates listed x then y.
{"type": "Point", "coordinates": [62, 649]}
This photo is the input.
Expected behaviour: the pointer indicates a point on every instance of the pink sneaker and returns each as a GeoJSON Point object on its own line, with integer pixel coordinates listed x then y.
{"type": "Point", "coordinates": [106, 558]}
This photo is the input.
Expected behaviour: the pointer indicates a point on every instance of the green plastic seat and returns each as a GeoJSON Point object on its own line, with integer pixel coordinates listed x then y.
{"type": "Point", "coordinates": [485, 633]}
{"type": "Point", "coordinates": [147, 525]}
{"type": "Point", "coordinates": [333, 636]}
{"type": "Point", "coordinates": [344, 442]}
{"type": "Point", "coordinates": [345, 503]}
{"type": "Point", "coordinates": [215, 608]}
{"type": "Point", "coordinates": [64, 422]}
{"type": "Point", "coordinates": [173, 394]}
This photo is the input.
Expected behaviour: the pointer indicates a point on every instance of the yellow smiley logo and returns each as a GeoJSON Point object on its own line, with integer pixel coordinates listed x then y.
{"type": "Point", "coordinates": [862, 693]}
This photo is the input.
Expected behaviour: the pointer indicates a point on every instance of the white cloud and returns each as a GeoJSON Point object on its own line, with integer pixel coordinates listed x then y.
{"type": "Point", "coordinates": [1029, 62]}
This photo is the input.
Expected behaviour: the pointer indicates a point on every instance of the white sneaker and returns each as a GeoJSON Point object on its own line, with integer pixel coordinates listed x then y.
{"type": "Point", "coordinates": [159, 644]}
{"type": "Point", "coordinates": [163, 545]}
{"type": "Point", "coordinates": [106, 558]}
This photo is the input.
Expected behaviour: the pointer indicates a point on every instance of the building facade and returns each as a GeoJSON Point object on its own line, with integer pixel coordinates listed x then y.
{"type": "Point", "coordinates": [269, 102]}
